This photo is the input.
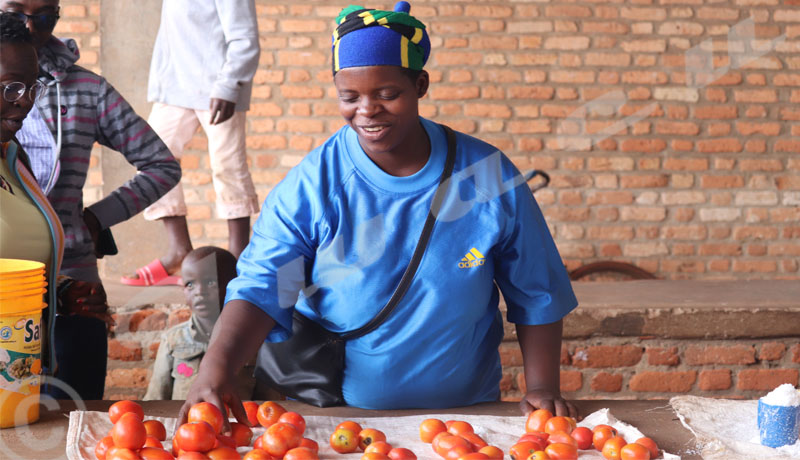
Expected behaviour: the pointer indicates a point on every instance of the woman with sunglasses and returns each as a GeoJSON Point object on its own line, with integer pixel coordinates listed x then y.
{"type": "Point", "coordinates": [79, 109]}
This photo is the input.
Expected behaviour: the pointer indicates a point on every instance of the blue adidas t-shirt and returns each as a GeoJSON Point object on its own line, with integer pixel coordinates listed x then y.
{"type": "Point", "coordinates": [335, 236]}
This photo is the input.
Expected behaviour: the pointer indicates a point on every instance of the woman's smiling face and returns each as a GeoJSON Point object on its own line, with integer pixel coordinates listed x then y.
{"type": "Point", "coordinates": [18, 63]}
{"type": "Point", "coordinates": [381, 104]}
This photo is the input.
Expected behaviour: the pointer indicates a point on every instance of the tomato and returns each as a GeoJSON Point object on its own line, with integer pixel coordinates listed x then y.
{"type": "Point", "coordinates": [401, 453]}
{"type": "Point", "coordinates": [535, 436]}
{"type": "Point", "coordinates": [121, 453]}
{"type": "Point", "coordinates": [102, 446]}
{"type": "Point", "coordinates": [154, 453]}
{"type": "Point", "coordinates": [429, 428]}
{"type": "Point", "coordinates": [444, 444]}
{"type": "Point", "coordinates": [601, 434]}
{"type": "Point", "coordinates": [268, 413]}
{"type": "Point", "coordinates": [293, 418]}
{"type": "Point", "coordinates": [193, 456]}
{"type": "Point", "coordinates": [583, 436]}
{"type": "Point", "coordinates": [634, 452]}
{"type": "Point", "coordinates": [344, 441]}
{"type": "Point", "coordinates": [457, 452]}
{"type": "Point", "coordinates": [258, 454]}
{"type": "Point", "coordinates": [241, 434]}
{"type": "Point", "coordinates": [151, 441]}
{"type": "Point", "coordinates": [368, 435]}
{"type": "Point", "coordinates": [309, 444]}
{"type": "Point", "coordinates": [175, 447]}
{"type": "Point", "coordinates": [224, 441]}
{"type": "Point", "coordinates": [122, 407]}
{"type": "Point", "coordinates": [301, 453]}
{"type": "Point", "coordinates": [650, 444]}
{"type": "Point", "coordinates": [209, 413]}
{"type": "Point", "coordinates": [129, 432]}
{"type": "Point", "coordinates": [539, 455]}
{"type": "Point", "coordinates": [560, 451]}
{"type": "Point", "coordinates": [523, 450]}
{"type": "Point", "coordinates": [258, 443]}
{"type": "Point", "coordinates": [280, 438]}
{"type": "Point", "coordinates": [381, 447]}
{"type": "Point", "coordinates": [612, 447]}
{"type": "Point", "coordinates": [223, 453]}
{"type": "Point", "coordinates": [537, 420]}
{"type": "Point", "coordinates": [374, 456]}
{"type": "Point", "coordinates": [350, 425]}
{"type": "Point", "coordinates": [155, 429]}
{"type": "Point", "coordinates": [437, 438]}
{"type": "Point", "coordinates": [251, 409]}
{"type": "Point", "coordinates": [474, 456]}
{"type": "Point", "coordinates": [492, 452]}
{"type": "Point", "coordinates": [460, 427]}
{"type": "Point", "coordinates": [558, 424]}
{"type": "Point", "coordinates": [561, 437]}
{"type": "Point", "coordinates": [476, 441]}
{"type": "Point", "coordinates": [540, 444]}
{"type": "Point", "coordinates": [195, 437]}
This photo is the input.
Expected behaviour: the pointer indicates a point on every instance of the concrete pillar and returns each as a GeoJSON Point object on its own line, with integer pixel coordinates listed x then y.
{"type": "Point", "coordinates": [128, 30]}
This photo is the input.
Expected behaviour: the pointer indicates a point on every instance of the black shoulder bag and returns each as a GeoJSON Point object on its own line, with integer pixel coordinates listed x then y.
{"type": "Point", "coordinates": [309, 365]}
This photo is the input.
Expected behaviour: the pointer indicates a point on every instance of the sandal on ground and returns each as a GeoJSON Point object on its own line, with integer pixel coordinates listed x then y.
{"type": "Point", "coordinates": [152, 274]}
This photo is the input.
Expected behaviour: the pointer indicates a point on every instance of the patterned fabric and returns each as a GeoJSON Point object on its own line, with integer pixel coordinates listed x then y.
{"type": "Point", "coordinates": [367, 37]}
{"type": "Point", "coordinates": [40, 147]}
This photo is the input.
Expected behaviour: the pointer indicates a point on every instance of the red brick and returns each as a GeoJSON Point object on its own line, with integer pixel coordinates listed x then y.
{"type": "Point", "coordinates": [719, 145]}
{"type": "Point", "coordinates": [755, 95]}
{"type": "Point", "coordinates": [127, 378]}
{"type": "Point", "coordinates": [152, 350]}
{"type": "Point", "coordinates": [709, 181]}
{"type": "Point", "coordinates": [696, 355]}
{"type": "Point", "coordinates": [607, 356]}
{"type": "Point", "coordinates": [663, 356]}
{"type": "Point", "coordinates": [643, 145]}
{"type": "Point", "coordinates": [675, 127]}
{"type": "Point", "coordinates": [301, 58]}
{"type": "Point", "coordinates": [765, 379]}
{"type": "Point", "coordinates": [564, 354]}
{"type": "Point", "coordinates": [796, 353]}
{"type": "Point", "coordinates": [571, 380]}
{"type": "Point", "coordinates": [567, 43]}
{"type": "Point", "coordinates": [605, 382]}
{"type": "Point", "coordinates": [510, 354]}
{"type": "Point", "coordinates": [305, 25]}
{"type": "Point", "coordinates": [663, 382]}
{"type": "Point", "coordinates": [454, 92]}
{"type": "Point", "coordinates": [686, 164]}
{"type": "Point", "coordinates": [487, 11]}
{"type": "Point", "coordinates": [487, 110]}
{"type": "Point", "coordinates": [771, 351]}
{"type": "Point", "coordinates": [179, 316]}
{"type": "Point", "coordinates": [147, 320]}
{"type": "Point", "coordinates": [124, 350]}
{"type": "Point", "coordinates": [716, 112]}
{"type": "Point", "coordinates": [749, 128]}
{"type": "Point", "coordinates": [506, 382]}
{"type": "Point", "coordinates": [787, 145]}
{"type": "Point", "coordinates": [714, 380]}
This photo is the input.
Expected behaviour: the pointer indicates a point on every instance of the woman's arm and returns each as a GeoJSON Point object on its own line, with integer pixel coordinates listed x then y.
{"type": "Point", "coordinates": [239, 332]}
{"type": "Point", "coordinates": [541, 357]}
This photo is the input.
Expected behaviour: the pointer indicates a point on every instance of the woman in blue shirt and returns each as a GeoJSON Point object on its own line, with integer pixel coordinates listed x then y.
{"type": "Point", "coordinates": [335, 236]}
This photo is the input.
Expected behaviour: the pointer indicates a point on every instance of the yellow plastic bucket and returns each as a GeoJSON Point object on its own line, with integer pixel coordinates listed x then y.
{"type": "Point", "coordinates": [21, 283]}
{"type": "Point", "coordinates": [14, 268]}
{"type": "Point", "coordinates": [20, 364]}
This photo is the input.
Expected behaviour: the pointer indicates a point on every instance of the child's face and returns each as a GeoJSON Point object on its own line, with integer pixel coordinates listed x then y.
{"type": "Point", "coordinates": [202, 287]}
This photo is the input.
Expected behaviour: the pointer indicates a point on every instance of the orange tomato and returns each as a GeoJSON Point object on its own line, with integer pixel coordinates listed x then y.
{"type": "Point", "coordinates": [258, 443]}
{"type": "Point", "coordinates": [444, 444]}
{"type": "Point", "coordinates": [537, 420]}
{"type": "Point", "coordinates": [301, 453]}
{"type": "Point", "coordinates": [523, 450]}
{"type": "Point", "coordinates": [494, 453]}
{"type": "Point", "coordinates": [537, 436]}
{"type": "Point", "coordinates": [344, 441]}
{"type": "Point", "coordinates": [474, 456]}
{"type": "Point", "coordinates": [381, 447]}
{"type": "Point", "coordinates": [280, 438]}
{"type": "Point", "coordinates": [193, 456]}
{"type": "Point", "coordinates": [601, 434]}
{"type": "Point", "coordinates": [476, 441]}
{"type": "Point", "coordinates": [350, 425]}
{"type": "Point", "coordinates": [561, 437]}
{"type": "Point", "coordinates": [612, 447]}
{"type": "Point", "coordinates": [251, 409]}
{"type": "Point", "coordinates": [293, 418]}
{"type": "Point", "coordinates": [437, 438]}
{"type": "Point", "coordinates": [401, 453]}
{"type": "Point", "coordinates": [154, 453]}
{"type": "Point", "coordinates": [123, 407]}
{"type": "Point", "coordinates": [223, 453]}
{"type": "Point", "coordinates": [309, 444]}
{"type": "Point", "coordinates": [268, 413]}
{"type": "Point", "coordinates": [121, 453]}
{"type": "Point", "coordinates": [155, 429]}
{"type": "Point", "coordinates": [558, 424]}
{"type": "Point", "coordinates": [459, 427]}
{"type": "Point", "coordinates": [129, 432]}
{"type": "Point", "coordinates": [224, 441]}
{"type": "Point", "coordinates": [209, 413]}
{"type": "Point", "coordinates": [374, 456]}
{"type": "Point", "coordinates": [650, 444]}
{"type": "Point", "coordinates": [102, 446]}
{"type": "Point", "coordinates": [195, 437]}
{"type": "Point", "coordinates": [634, 452]}
{"type": "Point", "coordinates": [457, 452]}
{"type": "Point", "coordinates": [258, 454]}
{"type": "Point", "coordinates": [368, 435]}
{"type": "Point", "coordinates": [539, 455]}
{"type": "Point", "coordinates": [560, 451]}
{"type": "Point", "coordinates": [583, 436]}
{"type": "Point", "coordinates": [429, 428]}
{"type": "Point", "coordinates": [241, 434]}
{"type": "Point", "coordinates": [151, 441]}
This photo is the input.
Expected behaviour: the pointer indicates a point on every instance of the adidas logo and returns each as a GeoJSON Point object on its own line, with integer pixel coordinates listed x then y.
{"type": "Point", "coordinates": [474, 258]}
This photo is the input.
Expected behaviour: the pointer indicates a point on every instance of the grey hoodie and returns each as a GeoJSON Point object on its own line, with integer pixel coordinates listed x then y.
{"type": "Point", "coordinates": [81, 108]}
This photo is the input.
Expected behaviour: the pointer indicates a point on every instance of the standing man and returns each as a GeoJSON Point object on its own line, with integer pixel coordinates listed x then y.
{"type": "Point", "coordinates": [204, 60]}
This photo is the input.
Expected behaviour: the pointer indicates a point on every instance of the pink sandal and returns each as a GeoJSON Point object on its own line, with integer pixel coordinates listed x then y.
{"type": "Point", "coordinates": [152, 274]}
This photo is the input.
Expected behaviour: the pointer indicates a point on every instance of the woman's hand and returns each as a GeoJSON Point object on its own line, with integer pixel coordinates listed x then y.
{"type": "Point", "coordinates": [85, 298]}
{"type": "Point", "coordinates": [94, 230]}
{"type": "Point", "coordinates": [552, 401]}
{"type": "Point", "coordinates": [216, 385]}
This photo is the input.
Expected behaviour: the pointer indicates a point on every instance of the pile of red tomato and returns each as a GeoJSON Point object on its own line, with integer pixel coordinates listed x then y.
{"type": "Point", "coordinates": [456, 440]}
{"type": "Point", "coordinates": [348, 437]}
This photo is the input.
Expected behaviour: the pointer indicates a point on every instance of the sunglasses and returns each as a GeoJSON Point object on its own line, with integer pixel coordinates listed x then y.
{"type": "Point", "coordinates": [43, 22]}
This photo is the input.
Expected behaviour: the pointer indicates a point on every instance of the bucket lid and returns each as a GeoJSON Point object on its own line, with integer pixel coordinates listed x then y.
{"type": "Point", "coordinates": [10, 268]}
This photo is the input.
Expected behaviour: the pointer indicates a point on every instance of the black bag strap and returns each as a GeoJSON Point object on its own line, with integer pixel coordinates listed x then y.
{"type": "Point", "coordinates": [411, 270]}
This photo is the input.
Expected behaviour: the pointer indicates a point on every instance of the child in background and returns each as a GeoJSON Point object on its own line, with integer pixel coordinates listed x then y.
{"type": "Point", "coordinates": [206, 272]}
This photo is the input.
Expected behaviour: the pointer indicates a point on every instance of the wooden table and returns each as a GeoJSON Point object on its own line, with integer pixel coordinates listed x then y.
{"type": "Point", "coordinates": [46, 439]}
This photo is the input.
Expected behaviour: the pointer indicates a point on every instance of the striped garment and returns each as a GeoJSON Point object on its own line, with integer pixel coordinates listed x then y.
{"type": "Point", "coordinates": [91, 110]}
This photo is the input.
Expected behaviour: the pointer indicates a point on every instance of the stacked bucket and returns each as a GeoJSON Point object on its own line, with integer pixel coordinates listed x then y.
{"type": "Point", "coordinates": [22, 289]}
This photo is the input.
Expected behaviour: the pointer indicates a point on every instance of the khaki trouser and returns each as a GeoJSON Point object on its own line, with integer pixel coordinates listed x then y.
{"type": "Point", "coordinates": [236, 195]}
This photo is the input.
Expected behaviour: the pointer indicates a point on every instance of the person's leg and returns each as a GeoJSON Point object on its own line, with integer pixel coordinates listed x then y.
{"type": "Point", "coordinates": [236, 194]}
{"type": "Point", "coordinates": [81, 345]}
{"type": "Point", "coordinates": [175, 126]}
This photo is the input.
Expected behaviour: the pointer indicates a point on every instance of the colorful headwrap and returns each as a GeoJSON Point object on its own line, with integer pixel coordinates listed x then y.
{"type": "Point", "coordinates": [366, 37]}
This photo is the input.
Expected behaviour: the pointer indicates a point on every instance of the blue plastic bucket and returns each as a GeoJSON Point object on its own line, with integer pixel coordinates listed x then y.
{"type": "Point", "coordinates": [778, 425]}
